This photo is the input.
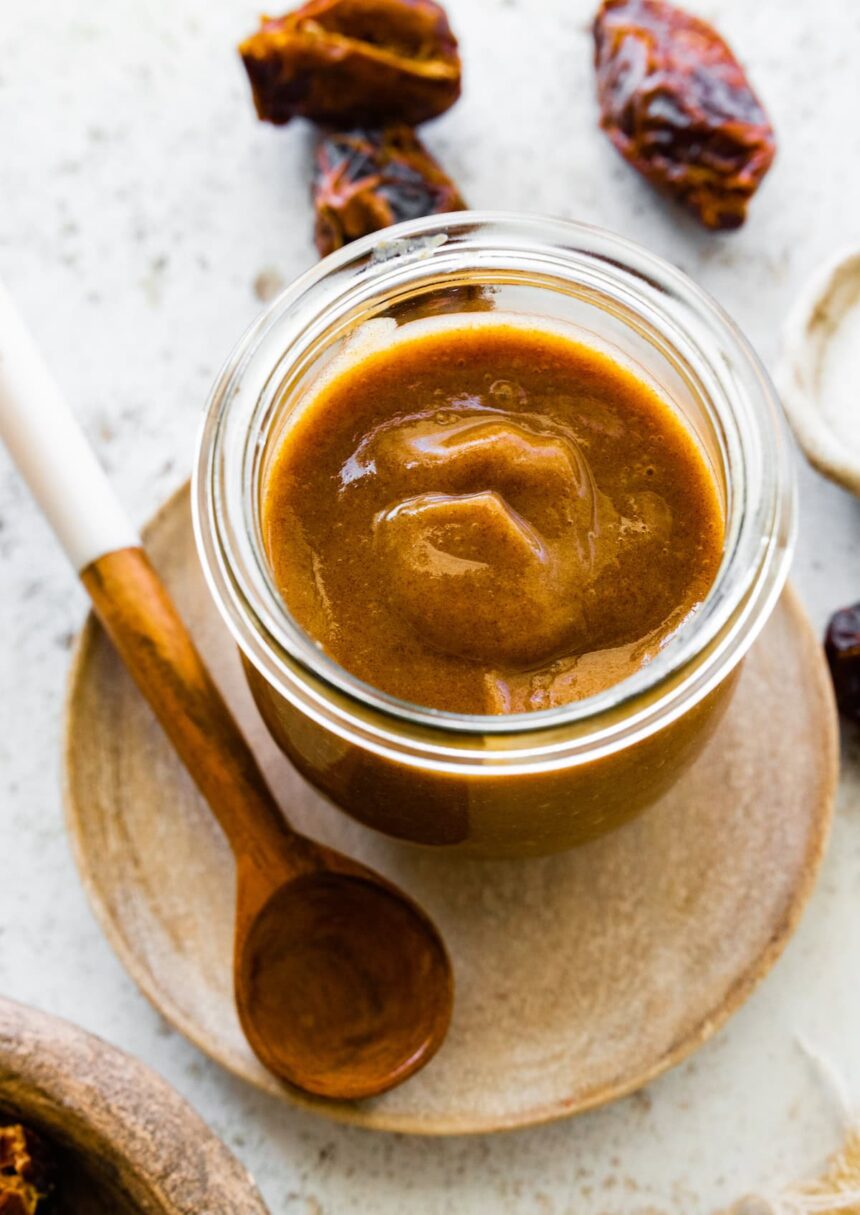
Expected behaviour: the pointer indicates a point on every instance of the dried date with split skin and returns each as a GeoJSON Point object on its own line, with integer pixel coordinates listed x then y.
{"type": "Point", "coordinates": [678, 106]}
{"type": "Point", "coordinates": [842, 647]}
{"type": "Point", "coordinates": [365, 180]}
{"type": "Point", "coordinates": [354, 62]}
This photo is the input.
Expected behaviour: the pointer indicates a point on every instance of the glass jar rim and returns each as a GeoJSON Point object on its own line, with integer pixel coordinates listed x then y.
{"type": "Point", "coordinates": [700, 653]}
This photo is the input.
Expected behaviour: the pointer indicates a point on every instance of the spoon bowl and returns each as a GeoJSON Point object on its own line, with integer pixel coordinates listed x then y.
{"type": "Point", "coordinates": [343, 985]}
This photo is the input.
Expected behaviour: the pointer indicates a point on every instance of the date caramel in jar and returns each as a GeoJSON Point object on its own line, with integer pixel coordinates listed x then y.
{"type": "Point", "coordinates": [488, 517]}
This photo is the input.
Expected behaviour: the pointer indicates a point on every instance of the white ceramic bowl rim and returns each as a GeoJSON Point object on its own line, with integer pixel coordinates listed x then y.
{"type": "Point", "coordinates": [807, 333]}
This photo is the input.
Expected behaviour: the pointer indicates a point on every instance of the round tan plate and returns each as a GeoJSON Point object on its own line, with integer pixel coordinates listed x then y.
{"type": "Point", "coordinates": [579, 977]}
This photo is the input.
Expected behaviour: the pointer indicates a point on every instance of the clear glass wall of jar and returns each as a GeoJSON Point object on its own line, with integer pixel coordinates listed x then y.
{"type": "Point", "coordinates": [521, 784]}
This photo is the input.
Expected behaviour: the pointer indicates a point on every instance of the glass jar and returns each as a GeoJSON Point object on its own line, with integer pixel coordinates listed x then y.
{"type": "Point", "coordinates": [521, 784]}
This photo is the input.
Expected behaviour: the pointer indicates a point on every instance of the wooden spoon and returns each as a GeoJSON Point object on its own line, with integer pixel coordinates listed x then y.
{"type": "Point", "coordinates": [343, 985]}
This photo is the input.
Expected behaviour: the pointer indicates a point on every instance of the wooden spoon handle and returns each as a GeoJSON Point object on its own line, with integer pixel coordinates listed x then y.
{"type": "Point", "coordinates": [132, 603]}
{"type": "Point", "coordinates": [142, 621]}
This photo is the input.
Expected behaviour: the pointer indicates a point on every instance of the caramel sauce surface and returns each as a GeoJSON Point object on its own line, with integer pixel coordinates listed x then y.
{"type": "Point", "coordinates": [490, 519]}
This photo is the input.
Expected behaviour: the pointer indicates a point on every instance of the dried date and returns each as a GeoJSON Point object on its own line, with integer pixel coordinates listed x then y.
{"type": "Point", "coordinates": [354, 62]}
{"type": "Point", "coordinates": [842, 647]}
{"type": "Point", "coordinates": [25, 1172]}
{"type": "Point", "coordinates": [678, 106]}
{"type": "Point", "coordinates": [365, 180]}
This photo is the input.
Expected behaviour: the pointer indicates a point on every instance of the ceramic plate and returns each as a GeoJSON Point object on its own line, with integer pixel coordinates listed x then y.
{"type": "Point", "coordinates": [579, 977]}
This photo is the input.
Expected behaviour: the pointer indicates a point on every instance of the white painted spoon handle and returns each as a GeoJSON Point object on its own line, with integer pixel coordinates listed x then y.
{"type": "Point", "coordinates": [51, 451]}
{"type": "Point", "coordinates": [131, 601]}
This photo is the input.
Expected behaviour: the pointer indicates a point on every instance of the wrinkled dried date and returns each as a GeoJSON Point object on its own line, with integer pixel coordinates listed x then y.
{"type": "Point", "coordinates": [677, 105]}
{"type": "Point", "coordinates": [365, 180]}
{"type": "Point", "coordinates": [348, 62]}
{"type": "Point", "coordinates": [842, 647]}
{"type": "Point", "coordinates": [25, 1172]}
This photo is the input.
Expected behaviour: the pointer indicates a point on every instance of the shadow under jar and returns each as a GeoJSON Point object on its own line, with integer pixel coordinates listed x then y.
{"type": "Point", "coordinates": [522, 783]}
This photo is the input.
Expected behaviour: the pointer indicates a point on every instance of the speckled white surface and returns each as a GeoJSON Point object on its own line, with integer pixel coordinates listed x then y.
{"type": "Point", "coordinates": [140, 201]}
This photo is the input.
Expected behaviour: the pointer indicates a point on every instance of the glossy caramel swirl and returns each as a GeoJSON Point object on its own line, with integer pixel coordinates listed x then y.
{"type": "Point", "coordinates": [493, 554]}
{"type": "Point", "coordinates": [526, 529]}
